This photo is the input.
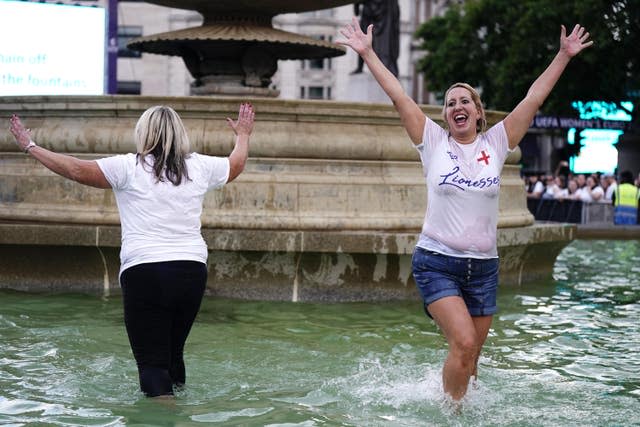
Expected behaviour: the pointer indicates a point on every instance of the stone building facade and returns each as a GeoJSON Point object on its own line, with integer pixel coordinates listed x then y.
{"type": "Point", "coordinates": [329, 79]}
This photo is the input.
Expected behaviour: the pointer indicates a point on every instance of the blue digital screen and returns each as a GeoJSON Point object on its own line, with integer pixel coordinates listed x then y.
{"type": "Point", "coordinates": [598, 152]}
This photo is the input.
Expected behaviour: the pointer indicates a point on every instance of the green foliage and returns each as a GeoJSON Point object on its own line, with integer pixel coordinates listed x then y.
{"type": "Point", "coordinates": [501, 46]}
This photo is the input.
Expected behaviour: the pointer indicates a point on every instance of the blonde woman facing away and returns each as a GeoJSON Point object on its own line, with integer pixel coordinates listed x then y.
{"type": "Point", "coordinates": [159, 191]}
{"type": "Point", "coordinates": [455, 263]}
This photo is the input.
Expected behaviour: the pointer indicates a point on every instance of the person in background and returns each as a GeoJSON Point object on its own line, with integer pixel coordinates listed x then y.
{"type": "Point", "coordinates": [581, 180]}
{"type": "Point", "coordinates": [549, 188]}
{"type": "Point", "coordinates": [637, 183]}
{"type": "Point", "coordinates": [535, 187]}
{"type": "Point", "coordinates": [573, 192]}
{"type": "Point", "coordinates": [562, 169]}
{"type": "Point", "coordinates": [159, 190]}
{"type": "Point", "coordinates": [560, 190]}
{"type": "Point", "coordinates": [604, 184]}
{"type": "Point", "coordinates": [612, 184]}
{"type": "Point", "coordinates": [591, 192]}
{"type": "Point", "coordinates": [455, 263]}
{"type": "Point", "coordinates": [625, 201]}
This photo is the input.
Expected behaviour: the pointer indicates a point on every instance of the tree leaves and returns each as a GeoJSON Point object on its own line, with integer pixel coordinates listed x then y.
{"type": "Point", "coordinates": [501, 46]}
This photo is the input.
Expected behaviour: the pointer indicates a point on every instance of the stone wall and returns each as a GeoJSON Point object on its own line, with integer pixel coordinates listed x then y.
{"type": "Point", "coordinates": [328, 208]}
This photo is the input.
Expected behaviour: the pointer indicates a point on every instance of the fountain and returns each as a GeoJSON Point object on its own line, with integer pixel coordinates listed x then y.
{"type": "Point", "coordinates": [328, 208]}
{"type": "Point", "coordinates": [236, 49]}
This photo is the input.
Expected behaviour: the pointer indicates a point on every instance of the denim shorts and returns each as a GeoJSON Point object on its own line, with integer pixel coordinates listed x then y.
{"type": "Point", "coordinates": [475, 280]}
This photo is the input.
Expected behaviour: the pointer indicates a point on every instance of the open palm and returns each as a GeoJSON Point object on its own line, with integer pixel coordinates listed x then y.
{"type": "Point", "coordinates": [21, 134]}
{"type": "Point", "coordinates": [355, 38]}
{"type": "Point", "coordinates": [246, 117]}
{"type": "Point", "coordinates": [574, 42]}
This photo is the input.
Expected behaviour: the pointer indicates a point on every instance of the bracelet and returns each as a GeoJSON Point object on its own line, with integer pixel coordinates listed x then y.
{"type": "Point", "coordinates": [29, 146]}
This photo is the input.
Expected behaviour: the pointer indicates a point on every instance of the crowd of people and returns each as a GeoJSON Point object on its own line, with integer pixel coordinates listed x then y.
{"type": "Point", "coordinates": [587, 188]}
{"type": "Point", "coordinates": [593, 188]}
{"type": "Point", "coordinates": [590, 188]}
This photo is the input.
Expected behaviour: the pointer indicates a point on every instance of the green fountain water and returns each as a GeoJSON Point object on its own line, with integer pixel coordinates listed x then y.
{"type": "Point", "coordinates": [563, 352]}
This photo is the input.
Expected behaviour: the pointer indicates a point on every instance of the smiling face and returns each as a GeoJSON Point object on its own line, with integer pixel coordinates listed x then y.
{"type": "Point", "coordinates": [463, 112]}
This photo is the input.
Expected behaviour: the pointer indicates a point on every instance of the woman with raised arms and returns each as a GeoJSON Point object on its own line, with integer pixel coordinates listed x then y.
{"type": "Point", "coordinates": [455, 262]}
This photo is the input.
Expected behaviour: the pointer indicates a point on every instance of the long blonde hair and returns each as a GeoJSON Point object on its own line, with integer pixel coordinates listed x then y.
{"type": "Point", "coordinates": [481, 123]}
{"type": "Point", "coordinates": [161, 133]}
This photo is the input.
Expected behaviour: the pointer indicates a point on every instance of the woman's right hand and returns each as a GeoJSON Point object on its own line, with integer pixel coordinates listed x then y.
{"type": "Point", "coordinates": [20, 133]}
{"type": "Point", "coordinates": [355, 38]}
{"type": "Point", "coordinates": [244, 124]}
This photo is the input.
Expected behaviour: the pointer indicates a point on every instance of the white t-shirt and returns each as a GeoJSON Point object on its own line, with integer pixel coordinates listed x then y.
{"type": "Point", "coordinates": [584, 194]}
{"type": "Point", "coordinates": [591, 195]}
{"type": "Point", "coordinates": [161, 221]}
{"type": "Point", "coordinates": [463, 185]}
{"type": "Point", "coordinates": [608, 195]}
{"type": "Point", "coordinates": [549, 192]}
{"type": "Point", "coordinates": [597, 194]}
{"type": "Point", "coordinates": [561, 193]}
{"type": "Point", "coordinates": [538, 188]}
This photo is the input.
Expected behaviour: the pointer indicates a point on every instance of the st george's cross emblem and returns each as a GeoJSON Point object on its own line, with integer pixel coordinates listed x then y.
{"type": "Point", "coordinates": [484, 158]}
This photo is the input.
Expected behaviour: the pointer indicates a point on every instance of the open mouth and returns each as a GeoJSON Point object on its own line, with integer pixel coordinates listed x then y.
{"type": "Point", "coordinates": [460, 119]}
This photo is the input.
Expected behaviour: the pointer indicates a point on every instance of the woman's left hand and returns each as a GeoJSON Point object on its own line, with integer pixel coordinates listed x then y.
{"type": "Point", "coordinates": [574, 42]}
{"type": "Point", "coordinates": [22, 135]}
{"type": "Point", "coordinates": [246, 117]}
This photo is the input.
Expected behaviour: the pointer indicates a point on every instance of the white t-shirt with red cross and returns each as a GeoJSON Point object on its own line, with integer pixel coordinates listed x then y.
{"type": "Point", "coordinates": [161, 221]}
{"type": "Point", "coordinates": [463, 185]}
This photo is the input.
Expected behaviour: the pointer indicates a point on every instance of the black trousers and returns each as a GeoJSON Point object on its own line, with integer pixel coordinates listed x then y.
{"type": "Point", "coordinates": [161, 301]}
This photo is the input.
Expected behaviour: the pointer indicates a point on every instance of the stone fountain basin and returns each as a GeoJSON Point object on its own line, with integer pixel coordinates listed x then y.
{"type": "Point", "coordinates": [229, 40]}
{"type": "Point", "coordinates": [327, 209]}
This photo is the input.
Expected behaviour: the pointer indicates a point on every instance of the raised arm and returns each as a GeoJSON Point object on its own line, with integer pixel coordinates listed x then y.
{"type": "Point", "coordinates": [518, 121]}
{"type": "Point", "coordinates": [85, 172]}
{"type": "Point", "coordinates": [242, 128]}
{"type": "Point", "coordinates": [412, 117]}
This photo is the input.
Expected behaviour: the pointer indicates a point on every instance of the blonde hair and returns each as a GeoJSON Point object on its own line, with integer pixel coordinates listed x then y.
{"type": "Point", "coordinates": [160, 132]}
{"type": "Point", "coordinates": [481, 123]}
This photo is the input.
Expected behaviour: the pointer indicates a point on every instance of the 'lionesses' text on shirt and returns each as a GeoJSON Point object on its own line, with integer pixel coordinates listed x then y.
{"type": "Point", "coordinates": [463, 185]}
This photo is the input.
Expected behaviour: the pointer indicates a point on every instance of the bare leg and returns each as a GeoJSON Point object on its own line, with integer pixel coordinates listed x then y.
{"type": "Point", "coordinates": [452, 316]}
{"type": "Point", "coordinates": [482, 325]}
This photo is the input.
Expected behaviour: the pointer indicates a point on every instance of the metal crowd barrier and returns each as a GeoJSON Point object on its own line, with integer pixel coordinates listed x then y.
{"type": "Point", "coordinates": [571, 211]}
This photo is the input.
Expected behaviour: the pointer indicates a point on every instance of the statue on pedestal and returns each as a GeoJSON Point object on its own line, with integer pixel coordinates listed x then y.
{"type": "Point", "coordinates": [385, 17]}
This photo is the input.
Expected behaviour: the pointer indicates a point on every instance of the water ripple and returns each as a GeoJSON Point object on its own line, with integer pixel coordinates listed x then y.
{"type": "Point", "coordinates": [560, 352]}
